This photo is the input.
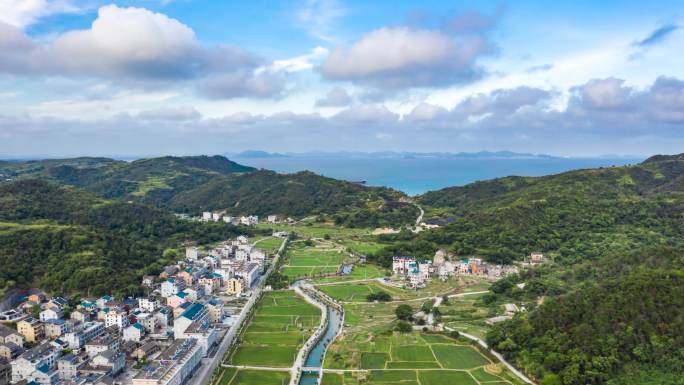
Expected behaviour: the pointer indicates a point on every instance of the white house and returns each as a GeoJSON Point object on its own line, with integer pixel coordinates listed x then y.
{"type": "Point", "coordinates": [51, 313]}
{"type": "Point", "coordinates": [117, 318]}
{"type": "Point", "coordinates": [171, 286]}
{"type": "Point", "coordinates": [148, 304]}
{"type": "Point", "coordinates": [134, 332]}
{"type": "Point", "coordinates": [206, 216]}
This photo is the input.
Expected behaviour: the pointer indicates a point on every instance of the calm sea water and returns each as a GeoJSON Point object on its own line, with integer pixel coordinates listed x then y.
{"type": "Point", "coordinates": [418, 175]}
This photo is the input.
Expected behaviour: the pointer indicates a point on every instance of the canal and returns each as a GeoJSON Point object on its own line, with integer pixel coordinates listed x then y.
{"type": "Point", "coordinates": [317, 353]}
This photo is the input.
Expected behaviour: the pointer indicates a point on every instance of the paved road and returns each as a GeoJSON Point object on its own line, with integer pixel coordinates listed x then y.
{"type": "Point", "coordinates": [266, 368]}
{"type": "Point", "coordinates": [204, 373]}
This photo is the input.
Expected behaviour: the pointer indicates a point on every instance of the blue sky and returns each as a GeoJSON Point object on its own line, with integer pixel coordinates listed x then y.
{"type": "Point", "coordinates": [152, 77]}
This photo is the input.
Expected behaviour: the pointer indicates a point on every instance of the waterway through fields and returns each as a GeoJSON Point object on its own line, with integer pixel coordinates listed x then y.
{"type": "Point", "coordinates": [317, 353]}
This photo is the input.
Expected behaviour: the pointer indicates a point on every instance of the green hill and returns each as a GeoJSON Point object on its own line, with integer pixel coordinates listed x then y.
{"type": "Point", "coordinates": [64, 239]}
{"type": "Point", "coordinates": [613, 310]}
{"type": "Point", "coordinates": [572, 216]}
{"type": "Point", "coordinates": [195, 184]}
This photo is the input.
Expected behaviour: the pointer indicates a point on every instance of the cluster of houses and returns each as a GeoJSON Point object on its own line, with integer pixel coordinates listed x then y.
{"type": "Point", "coordinates": [249, 220]}
{"type": "Point", "coordinates": [416, 273]}
{"type": "Point", "coordinates": [163, 335]}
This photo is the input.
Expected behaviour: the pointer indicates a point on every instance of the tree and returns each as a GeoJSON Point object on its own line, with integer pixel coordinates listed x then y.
{"type": "Point", "coordinates": [380, 296]}
{"type": "Point", "coordinates": [551, 379]}
{"type": "Point", "coordinates": [404, 327]}
{"type": "Point", "coordinates": [404, 311]}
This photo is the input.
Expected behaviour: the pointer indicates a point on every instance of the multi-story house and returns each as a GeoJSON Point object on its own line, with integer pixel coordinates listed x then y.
{"type": "Point", "coordinates": [8, 334]}
{"type": "Point", "coordinates": [171, 286]}
{"type": "Point", "coordinates": [37, 364]}
{"type": "Point", "coordinates": [32, 329]}
{"type": "Point", "coordinates": [118, 318]}
{"type": "Point", "coordinates": [148, 304]}
{"type": "Point", "coordinates": [86, 332]}
{"type": "Point", "coordinates": [55, 328]}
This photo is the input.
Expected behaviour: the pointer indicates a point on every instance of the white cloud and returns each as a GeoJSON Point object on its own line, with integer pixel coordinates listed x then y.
{"type": "Point", "coordinates": [404, 57]}
{"type": "Point", "coordinates": [22, 13]}
{"type": "Point", "coordinates": [139, 47]}
{"type": "Point", "coordinates": [300, 63]}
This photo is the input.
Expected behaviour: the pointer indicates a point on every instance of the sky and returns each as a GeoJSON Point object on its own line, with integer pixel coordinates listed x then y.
{"type": "Point", "coordinates": [153, 77]}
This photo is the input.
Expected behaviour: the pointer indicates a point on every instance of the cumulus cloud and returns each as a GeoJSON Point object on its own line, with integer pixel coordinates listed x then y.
{"type": "Point", "coordinates": [337, 97]}
{"type": "Point", "coordinates": [403, 57]}
{"type": "Point", "coordinates": [238, 84]}
{"type": "Point", "coordinates": [603, 93]}
{"type": "Point", "coordinates": [22, 13]}
{"type": "Point", "coordinates": [136, 45]}
{"type": "Point", "coordinates": [601, 115]}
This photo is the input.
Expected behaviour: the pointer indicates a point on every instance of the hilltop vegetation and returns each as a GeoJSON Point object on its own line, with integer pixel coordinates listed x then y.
{"type": "Point", "coordinates": [573, 216]}
{"type": "Point", "coordinates": [612, 310]}
{"type": "Point", "coordinates": [195, 184]}
{"type": "Point", "coordinates": [64, 239]}
{"type": "Point", "coordinates": [625, 328]}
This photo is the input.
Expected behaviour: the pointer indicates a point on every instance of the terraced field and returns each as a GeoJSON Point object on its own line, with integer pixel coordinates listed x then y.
{"type": "Point", "coordinates": [282, 322]}
{"type": "Point", "coordinates": [408, 359]}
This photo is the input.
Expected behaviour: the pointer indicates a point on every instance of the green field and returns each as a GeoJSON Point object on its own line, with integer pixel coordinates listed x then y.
{"type": "Point", "coordinates": [357, 292]}
{"type": "Point", "coordinates": [269, 245]}
{"type": "Point", "coordinates": [321, 258]}
{"type": "Point", "coordinates": [282, 322]}
{"type": "Point", "coordinates": [404, 351]}
{"type": "Point", "coordinates": [364, 271]}
{"type": "Point", "coordinates": [232, 376]}
{"type": "Point", "coordinates": [400, 359]}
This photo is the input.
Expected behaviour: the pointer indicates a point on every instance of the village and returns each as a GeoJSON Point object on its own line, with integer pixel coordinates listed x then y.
{"type": "Point", "coordinates": [161, 338]}
{"type": "Point", "coordinates": [416, 273]}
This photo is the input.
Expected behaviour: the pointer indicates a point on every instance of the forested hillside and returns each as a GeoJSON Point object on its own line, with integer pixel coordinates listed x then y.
{"type": "Point", "coordinates": [198, 183]}
{"type": "Point", "coordinates": [572, 216]}
{"type": "Point", "coordinates": [611, 305]}
{"type": "Point", "coordinates": [64, 239]}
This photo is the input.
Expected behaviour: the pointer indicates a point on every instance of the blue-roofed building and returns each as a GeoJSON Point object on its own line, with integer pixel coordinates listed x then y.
{"type": "Point", "coordinates": [134, 332]}
{"type": "Point", "coordinates": [195, 323]}
{"type": "Point", "coordinates": [55, 328]}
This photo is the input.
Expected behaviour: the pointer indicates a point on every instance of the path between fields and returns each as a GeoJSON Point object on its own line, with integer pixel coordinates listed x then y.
{"type": "Point", "coordinates": [435, 297]}
{"type": "Point", "coordinates": [496, 354]}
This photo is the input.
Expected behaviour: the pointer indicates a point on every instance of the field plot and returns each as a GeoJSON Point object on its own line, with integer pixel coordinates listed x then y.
{"type": "Point", "coordinates": [414, 358]}
{"type": "Point", "coordinates": [269, 245]}
{"type": "Point", "coordinates": [252, 377]}
{"type": "Point", "coordinates": [309, 261]}
{"type": "Point", "coordinates": [281, 324]}
{"type": "Point", "coordinates": [360, 272]}
{"type": "Point", "coordinates": [468, 314]}
{"type": "Point", "coordinates": [357, 292]}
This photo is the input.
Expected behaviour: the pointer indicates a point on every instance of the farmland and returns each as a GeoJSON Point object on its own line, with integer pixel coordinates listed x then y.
{"type": "Point", "coordinates": [314, 258]}
{"type": "Point", "coordinates": [414, 358]}
{"type": "Point", "coordinates": [281, 323]}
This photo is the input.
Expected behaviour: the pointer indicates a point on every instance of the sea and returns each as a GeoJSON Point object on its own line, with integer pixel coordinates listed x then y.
{"type": "Point", "coordinates": [416, 175]}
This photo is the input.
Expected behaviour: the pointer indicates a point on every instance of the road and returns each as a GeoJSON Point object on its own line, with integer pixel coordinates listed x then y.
{"type": "Point", "coordinates": [496, 354]}
{"type": "Point", "coordinates": [420, 217]}
{"type": "Point", "coordinates": [205, 372]}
